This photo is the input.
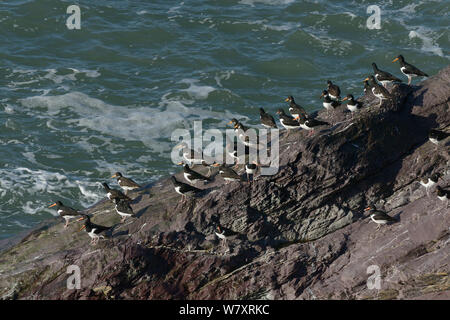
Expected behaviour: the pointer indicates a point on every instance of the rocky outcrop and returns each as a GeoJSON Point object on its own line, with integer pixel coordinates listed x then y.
{"type": "Point", "coordinates": [299, 234]}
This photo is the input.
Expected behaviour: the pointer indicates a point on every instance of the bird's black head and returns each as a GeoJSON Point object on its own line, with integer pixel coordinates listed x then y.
{"type": "Point", "coordinates": [105, 185]}
{"type": "Point", "coordinates": [234, 122]}
{"type": "Point", "coordinates": [374, 66]}
{"type": "Point", "coordinates": [400, 58]}
{"type": "Point", "coordinates": [370, 208]}
{"type": "Point", "coordinates": [117, 174]}
{"type": "Point", "coordinates": [57, 204]}
{"type": "Point", "coordinates": [290, 99]}
{"type": "Point", "coordinates": [440, 192]}
{"type": "Point", "coordinates": [280, 111]}
{"type": "Point", "coordinates": [349, 97]}
{"type": "Point", "coordinates": [173, 179]}
{"type": "Point", "coordinates": [261, 111]}
{"type": "Point", "coordinates": [329, 83]}
{"type": "Point", "coordinates": [324, 93]}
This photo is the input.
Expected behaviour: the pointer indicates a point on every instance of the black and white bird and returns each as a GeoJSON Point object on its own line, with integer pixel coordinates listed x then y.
{"type": "Point", "coordinates": [353, 105]}
{"type": "Point", "coordinates": [114, 193]}
{"type": "Point", "coordinates": [288, 122]}
{"type": "Point", "coordinates": [408, 69]}
{"type": "Point", "coordinates": [384, 77]}
{"type": "Point", "coordinates": [429, 182]}
{"type": "Point", "coordinates": [234, 148]}
{"type": "Point", "coordinates": [189, 155]}
{"type": "Point", "coordinates": [126, 184]}
{"type": "Point", "coordinates": [378, 90]}
{"type": "Point", "coordinates": [94, 231]}
{"type": "Point", "coordinates": [123, 208]}
{"type": "Point", "coordinates": [310, 124]}
{"type": "Point", "coordinates": [367, 87]}
{"type": "Point", "coordinates": [295, 109]}
{"type": "Point", "coordinates": [65, 212]}
{"type": "Point", "coordinates": [442, 194]}
{"type": "Point", "coordinates": [378, 216]}
{"type": "Point", "coordinates": [248, 136]}
{"type": "Point", "coordinates": [250, 169]}
{"type": "Point", "coordinates": [228, 174]}
{"type": "Point", "coordinates": [266, 119]}
{"type": "Point", "coordinates": [221, 235]}
{"type": "Point", "coordinates": [185, 189]}
{"type": "Point", "coordinates": [328, 103]}
{"type": "Point", "coordinates": [333, 90]}
{"type": "Point", "coordinates": [437, 136]}
{"type": "Point", "coordinates": [192, 176]}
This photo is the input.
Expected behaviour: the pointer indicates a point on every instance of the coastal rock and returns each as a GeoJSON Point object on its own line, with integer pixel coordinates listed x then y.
{"type": "Point", "coordinates": [299, 234]}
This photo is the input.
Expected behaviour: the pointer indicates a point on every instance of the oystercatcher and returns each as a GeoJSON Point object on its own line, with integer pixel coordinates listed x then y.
{"type": "Point", "coordinates": [94, 230]}
{"type": "Point", "coordinates": [228, 174]}
{"type": "Point", "coordinates": [123, 208]}
{"type": "Point", "coordinates": [266, 119]}
{"type": "Point", "coordinates": [114, 193]}
{"type": "Point", "coordinates": [295, 109]}
{"type": "Point", "coordinates": [193, 176]}
{"type": "Point", "coordinates": [221, 235]}
{"type": "Point", "coordinates": [250, 169]}
{"type": "Point", "coordinates": [367, 87]}
{"type": "Point", "coordinates": [328, 103]}
{"type": "Point", "coordinates": [378, 216]}
{"type": "Point", "coordinates": [379, 91]}
{"type": "Point", "coordinates": [384, 77]}
{"type": "Point", "coordinates": [437, 136]}
{"type": "Point", "coordinates": [288, 122]}
{"type": "Point", "coordinates": [443, 194]}
{"type": "Point", "coordinates": [409, 70]}
{"type": "Point", "coordinates": [430, 181]}
{"type": "Point", "coordinates": [65, 212]}
{"type": "Point", "coordinates": [184, 189]}
{"type": "Point", "coordinates": [310, 124]}
{"type": "Point", "coordinates": [333, 90]}
{"type": "Point", "coordinates": [125, 183]}
{"type": "Point", "coordinates": [353, 105]}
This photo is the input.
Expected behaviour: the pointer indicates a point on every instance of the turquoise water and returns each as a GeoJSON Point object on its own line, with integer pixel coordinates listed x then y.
{"type": "Point", "coordinates": [78, 105]}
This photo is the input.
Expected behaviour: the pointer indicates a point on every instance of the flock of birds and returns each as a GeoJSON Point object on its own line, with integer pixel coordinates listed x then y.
{"type": "Point", "coordinates": [376, 84]}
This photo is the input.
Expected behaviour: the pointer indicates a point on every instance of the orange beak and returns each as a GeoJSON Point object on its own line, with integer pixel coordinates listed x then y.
{"type": "Point", "coordinates": [52, 205]}
{"type": "Point", "coordinates": [287, 100]}
{"type": "Point", "coordinates": [82, 228]}
{"type": "Point", "coordinates": [367, 209]}
{"type": "Point", "coordinates": [345, 99]}
{"type": "Point", "coordinates": [321, 96]}
{"type": "Point", "coordinates": [114, 176]}
{"type": "Point", "coordinates": [180, 163]}
{"type": "Point", "coordinates": [216, 165]}
{"type": "Point", "coordinates": [81, 219]}
{"type": "Point", "coordinates": [366, 79]}
{"type": "Point", "coordinates": [230, 122]}
{"type": "Point", "coordinates": [395, 60]}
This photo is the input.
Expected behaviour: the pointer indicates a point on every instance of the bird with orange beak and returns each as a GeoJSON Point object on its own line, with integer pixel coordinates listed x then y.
{"type": "Point", "coordinates": [65, 212]}
{"type": "Point", "coordinates": [93, 230]}
{"type": "Point", "coordinates": [378, 216]}
{"type": "Point", "coordinates": [408, 69]}
{"type": "Point", "coordinates": [125, 183]}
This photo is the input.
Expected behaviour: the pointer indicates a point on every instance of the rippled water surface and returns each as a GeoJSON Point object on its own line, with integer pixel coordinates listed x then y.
{"type": "Point", "coordinates": [78, 105]}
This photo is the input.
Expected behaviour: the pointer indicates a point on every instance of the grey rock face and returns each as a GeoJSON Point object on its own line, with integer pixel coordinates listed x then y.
{"type": "Point", "coordinates": [300, 234]}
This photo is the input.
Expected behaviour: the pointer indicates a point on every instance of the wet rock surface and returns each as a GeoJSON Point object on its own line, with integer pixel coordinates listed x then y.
{"type": "Point", "coordinates": [299, 234]}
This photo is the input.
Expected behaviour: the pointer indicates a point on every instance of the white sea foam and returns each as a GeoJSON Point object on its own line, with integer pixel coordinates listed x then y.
{"type": "Point", "coordinates": [195, 91]}
{"type": "Point", "coordinates": [43, 187]}
{"type": "Point", "coordinates": [428, 43]}
{"type": "Point", "coordinates": [131, 123]}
